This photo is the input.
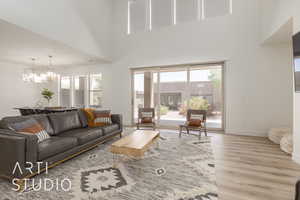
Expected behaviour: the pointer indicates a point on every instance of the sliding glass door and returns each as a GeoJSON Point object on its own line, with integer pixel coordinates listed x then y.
{"type": "Point", "coordinates": [206, 92]}
{"type": "Point", "coordinates": [174, 90]}
{"type": "Point", "coordinates": [138, 93]}
{"type": "Point", "coordinates": [173, 93]}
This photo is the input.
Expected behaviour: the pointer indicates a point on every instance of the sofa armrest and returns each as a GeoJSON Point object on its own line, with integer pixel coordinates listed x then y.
{"type": "Point", "coordinates": [31, 144]}
{"type": "Point", "coordinates": [12, 150]}
{"type": "Point", "coordinates": [297, 191]}
{"type": "Point", "coordinates": [117, 119]}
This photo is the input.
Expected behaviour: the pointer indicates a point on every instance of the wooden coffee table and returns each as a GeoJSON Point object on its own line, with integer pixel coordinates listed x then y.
{"type": "Point", "coordinates": [136, 144]}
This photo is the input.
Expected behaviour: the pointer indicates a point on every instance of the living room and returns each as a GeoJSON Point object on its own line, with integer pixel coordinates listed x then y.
{"type": "Point", "coordinates": [230, 61]}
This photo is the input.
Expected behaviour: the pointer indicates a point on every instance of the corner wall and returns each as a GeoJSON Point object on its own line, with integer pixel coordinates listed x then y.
{"type": "Point", "coordinates": [277, 12]}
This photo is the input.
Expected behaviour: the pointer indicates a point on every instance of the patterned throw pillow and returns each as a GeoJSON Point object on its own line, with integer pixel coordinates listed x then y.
{"type": "Point", "coordinates": [30, 126]}
{"type": "Point", "coordinates": [98, 118]}
{"type": "Point", "coordinates": [102, 117]}
{"type": "Point", "coordinates": [195, 120]}
{"type": "Point", "coordinates": [146, 117]}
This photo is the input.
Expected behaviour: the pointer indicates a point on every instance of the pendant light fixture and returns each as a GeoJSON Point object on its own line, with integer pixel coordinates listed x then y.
{"type": "Point", "coordinates": [35, 75]}
{"type": "Point", "coordinates": [51, 75]}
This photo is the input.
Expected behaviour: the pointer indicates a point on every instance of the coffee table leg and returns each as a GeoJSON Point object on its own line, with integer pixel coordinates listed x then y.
{"type": "Point", "coordinates": [115, 160]}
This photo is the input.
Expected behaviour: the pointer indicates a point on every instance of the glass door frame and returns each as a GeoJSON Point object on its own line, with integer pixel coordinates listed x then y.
{"type": "Point", "coordinates": [188, 68]}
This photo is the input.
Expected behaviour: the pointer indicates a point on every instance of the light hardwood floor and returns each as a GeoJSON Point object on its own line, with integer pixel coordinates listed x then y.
{"type": "Point", "coordinates": [253, 168]}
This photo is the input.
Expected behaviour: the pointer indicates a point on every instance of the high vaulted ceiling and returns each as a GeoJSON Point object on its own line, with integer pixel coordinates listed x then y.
{"type": "Point", "coordinates": [74, 31]}
{"type": "Point", "coordinates": [19, 46]}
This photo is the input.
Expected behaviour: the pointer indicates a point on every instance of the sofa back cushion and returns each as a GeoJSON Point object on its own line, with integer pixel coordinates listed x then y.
{"type": "Point", "coordinates": [83, 118]}
{"type": "Point", "coordinates": [42, 119]}
{"type": "Point", "coordinates": [64, 121]}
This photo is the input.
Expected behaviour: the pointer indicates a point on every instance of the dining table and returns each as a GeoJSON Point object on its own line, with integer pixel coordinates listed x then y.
{"type": "Point", "coordinates": [44, 110]}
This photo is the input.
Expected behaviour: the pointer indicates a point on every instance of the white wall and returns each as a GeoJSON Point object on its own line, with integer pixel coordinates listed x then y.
{"type": "Point", "coordinates": [296, 15]}
{"type": "Point", "coordinates": [14, 92]}
{"type": "Point", "coordinates": [79, 24]}
{"type": "Point", "coordinates": [258, 84]}
{"type": "Point", "coordinates": [275, 14]}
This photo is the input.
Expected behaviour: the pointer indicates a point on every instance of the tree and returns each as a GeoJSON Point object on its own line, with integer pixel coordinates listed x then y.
{"type": "Point", "coordinates": [196, 103]}
{"type": "Point", "coordinates": [215, 76]}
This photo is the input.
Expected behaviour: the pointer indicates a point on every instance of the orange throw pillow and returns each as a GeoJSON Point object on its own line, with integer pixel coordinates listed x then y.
{"type": "Point", "coordinates": [195, 122]}
{"type": "Point", "coordinates": [90, 116]}
{"type": "Point", "coordinates": [146, 120]}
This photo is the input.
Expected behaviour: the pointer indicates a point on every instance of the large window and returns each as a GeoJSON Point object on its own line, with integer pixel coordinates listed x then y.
{"type": "Point", "coordinates": [161, 13]}
{"type": "Point", "coordinates": [81, 91]}
{"type": "Point", "coordinates": [187, 10]}
{"type": "Point", "coordinates": [206, 93]}
{"type": "Point", "coordinates": [173, 95]}
{"type": "Point", "coordinates": [214, 8]}
{"type": "Point", "coordinates": [138, 92]}
{"type": "Point", "coordinates": [137, 15]}
{"type": "Point", "coordinates": [151, 14]}
{"type": "Point", "coordinates": [65, 91]}
{"type": "Point", "coordinates": [95, 91]}
{"type": "Point", "coordinates": [174, 90]}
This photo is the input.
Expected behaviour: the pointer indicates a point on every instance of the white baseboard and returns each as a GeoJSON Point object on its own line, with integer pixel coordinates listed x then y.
{"type": "Point", "coordinates": [296, 158]}
{"type": "Point", "coordinates": [246, 132]}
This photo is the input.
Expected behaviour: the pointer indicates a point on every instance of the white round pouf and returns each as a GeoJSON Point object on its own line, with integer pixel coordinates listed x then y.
{"type": "Point", "coordinates": [276, 134]}
{"type": "Point", "coordinates": [286, 143]}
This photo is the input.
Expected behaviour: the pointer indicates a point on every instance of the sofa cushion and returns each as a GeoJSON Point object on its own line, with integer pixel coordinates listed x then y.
{"type": "Point", "coordinates": [42, 119]}
{"type": "Point", "coordinates": [64, 121]}
{"type": "Point", "coordinates": [110, 128]}
{"type": "Point", "coordinates": [55, 145]}
{"type": "Point", "coordinates": [83, 135]}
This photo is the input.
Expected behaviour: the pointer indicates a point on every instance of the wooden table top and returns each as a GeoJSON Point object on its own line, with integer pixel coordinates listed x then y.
{"type": "Point", "coordinates": [136, 143]}
{"type": "Point", "coordinates": [48, 108]}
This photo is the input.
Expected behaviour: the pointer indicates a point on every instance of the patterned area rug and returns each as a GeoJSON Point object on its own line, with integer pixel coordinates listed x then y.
{"type": "Point", "coordinates": [179, 169]}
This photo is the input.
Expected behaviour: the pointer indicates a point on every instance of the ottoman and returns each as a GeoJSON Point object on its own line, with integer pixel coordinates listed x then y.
{"type": "Point", "coordinates": [276, 134]}
{"type": "Point", "coordinates": [286, 143]}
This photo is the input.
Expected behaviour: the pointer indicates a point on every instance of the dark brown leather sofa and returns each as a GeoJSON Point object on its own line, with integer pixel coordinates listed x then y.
{"type": "Point", "coordinates": [70, 136]}
{"type": "Point", "coordinates": [297, 190]}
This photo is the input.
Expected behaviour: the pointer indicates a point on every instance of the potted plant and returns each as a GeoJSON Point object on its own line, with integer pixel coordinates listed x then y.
{"type": "Point", "coordinates": [47, 94]}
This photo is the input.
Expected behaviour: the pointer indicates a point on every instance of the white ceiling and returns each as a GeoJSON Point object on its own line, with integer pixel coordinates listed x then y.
{"type": "Point", "coordinates": [18, 45]}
